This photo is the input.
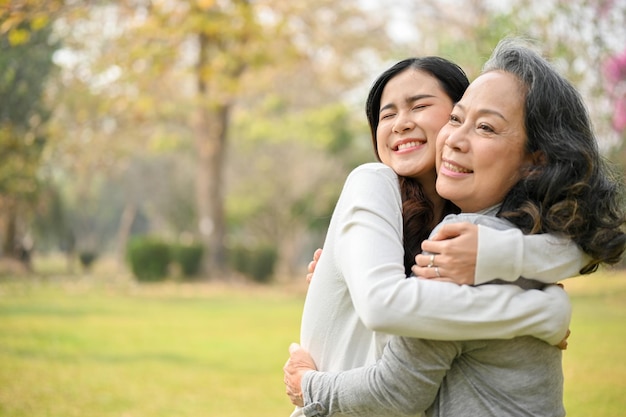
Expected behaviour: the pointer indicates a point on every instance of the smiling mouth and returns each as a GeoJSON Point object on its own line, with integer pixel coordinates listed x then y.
{"type": "Point", "coordinates": [455, 168]}
{"type": "Point", "coordinates": [413, 144]}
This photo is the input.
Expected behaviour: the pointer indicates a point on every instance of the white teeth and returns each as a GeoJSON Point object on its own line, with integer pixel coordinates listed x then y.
{"type": "Point", "coordinates": [455, 168]}
{"type": "Point", "coordinates": [408, 145]}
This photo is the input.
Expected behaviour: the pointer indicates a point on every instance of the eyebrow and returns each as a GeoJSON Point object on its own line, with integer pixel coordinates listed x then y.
{"type": "Point", "coordinates": [484, 111]}
{"type": "Point", "coordinates": [408, 100]}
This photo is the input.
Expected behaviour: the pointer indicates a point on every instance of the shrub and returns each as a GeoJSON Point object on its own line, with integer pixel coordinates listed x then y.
{"type": "Point", "coordinates": [257, 263]}
{"type": "Point", "coordinates": [149, 258]}
{"type": "Point", "coordinates": [188, 257]}
{"type": "Point", "coordinates": [87, 258]}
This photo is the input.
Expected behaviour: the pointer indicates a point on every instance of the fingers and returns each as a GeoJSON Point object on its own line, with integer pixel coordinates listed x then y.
{"type": "Point", "coordinates": [455, 248]}
{"type": "Point", "coordinates": [563, 343]}
{"type": "Point", "coordinates": [311, 266]}
{"type": "Point", "coordinates": [450, 230]}
{"type": "Point", "coordinates": [433, 246]}
{"type": "Point", "coordinates": [436, 243]}
{"type": "Point", "coordinates": [293, 390]}
{"type": "Point", "coordinates": [429, 267]}
{"type": "Point", "coordinates": [292, 376]}
{"type": "Point", "coordinates": [295, 397]}
{"type": "Point", "coordinates": [433, 272]}
{"type": "Point", "coordinates": [427, 260]}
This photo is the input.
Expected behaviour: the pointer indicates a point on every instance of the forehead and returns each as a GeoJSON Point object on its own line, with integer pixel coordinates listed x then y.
{"type": "Point", "coordinates": [495, 89]}
{"type": "Point", "coordinates": [412, 81]}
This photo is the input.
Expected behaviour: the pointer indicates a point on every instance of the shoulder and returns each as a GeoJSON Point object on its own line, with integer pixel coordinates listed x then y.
{"type": "Point", "coordinates": [376, 168]}
{"type": "Point", "coordinates": [370, 183]}
{"type": "Point", "coordinates": [373, 171]}
{"type": "Point", "coordinates": [480, 219]}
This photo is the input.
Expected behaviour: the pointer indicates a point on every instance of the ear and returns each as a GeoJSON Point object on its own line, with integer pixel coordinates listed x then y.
{"type": "Point", "coordinates": [539, 159]}
{"type": "Point", "coordinates": [533, 163]}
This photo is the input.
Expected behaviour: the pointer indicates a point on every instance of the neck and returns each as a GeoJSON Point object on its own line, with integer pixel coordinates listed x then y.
{"type": "Point", "coordinates": [438, 202]}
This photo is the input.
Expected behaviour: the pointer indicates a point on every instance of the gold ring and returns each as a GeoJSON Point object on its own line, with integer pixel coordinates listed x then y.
{"type": "Point", "coordinates": [432, 261]}
{"type": "Point", "coordinates": [437, 272]}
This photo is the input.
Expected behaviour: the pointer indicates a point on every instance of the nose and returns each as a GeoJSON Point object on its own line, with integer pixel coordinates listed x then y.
{"type": "Point", "coordinates": [456, 139]}
{"type": "Point", "coordinates": [403, 123]}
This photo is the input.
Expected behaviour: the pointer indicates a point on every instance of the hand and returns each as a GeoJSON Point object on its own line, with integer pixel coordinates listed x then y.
{"type": "Point", "coordinates": [297, 365]}
{"type": "Point", "coordinates": [313, 264]}
{"type": "Point", "coordinates": [454, 247]}
{"type": "Point", "coordinates": [563, 343]}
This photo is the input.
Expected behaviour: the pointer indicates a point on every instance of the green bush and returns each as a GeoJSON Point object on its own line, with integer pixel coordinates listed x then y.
{"type": "Point", "coordinates": [87, 258]}
{"type": "Point", "coordinates": [258, 263]}
{"type": "Point", "coordinates": [149, 258]}
{"type": "Point", "coordinates": [188, 257]}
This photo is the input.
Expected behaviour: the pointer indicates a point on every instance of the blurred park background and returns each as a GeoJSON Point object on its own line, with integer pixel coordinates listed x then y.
{"type": "Point", "coordinates": [167, 168]}
{"type": "Point", "coordinates": [217, 134]}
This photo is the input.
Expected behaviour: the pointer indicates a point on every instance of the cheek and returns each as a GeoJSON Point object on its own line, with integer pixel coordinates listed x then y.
{"type": "Point", "coordinates": [433, 156]}
{"type": "Point", "coordinates": [439, 118]}
{"type": "Point", "coordinates": [440, 141]}
{"type": "Point", "coordinates": [382, 134]}
{"type": "Point", "coordinates": [448, 189]}
{"type": "Point", "coordinates": [383, 151]}
{"type": "Point", "coordinates": [503, 176]}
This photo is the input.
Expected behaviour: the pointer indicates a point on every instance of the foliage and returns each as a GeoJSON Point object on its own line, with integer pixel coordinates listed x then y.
{"type": "Point", "coordinates": [168, 75]}
{"type": "Point", "coordinates": [257, 262]}
{"type": "Point", "coordinates": [188, 257]}
{"type": "Point", "coordinates": [87, 259]}
{"type": "Point", "coordinates": [149, 258]}
{"type": "Point", "coordinates": [130, 88]}
{"type": "Point", "coordinates": [299, 161]}
{"type": "Point", "coordinates": [50, 226]}
{"type": "Point", "coordinates": [576, 35]}
{"type": "Point", "coordinates": [25, 65]}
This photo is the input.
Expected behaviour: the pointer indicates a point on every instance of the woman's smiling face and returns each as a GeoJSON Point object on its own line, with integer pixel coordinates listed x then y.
{"type": "Point", "coordinates": [413, 108]}
{"type": "Point", "coordinates": [481, 151]}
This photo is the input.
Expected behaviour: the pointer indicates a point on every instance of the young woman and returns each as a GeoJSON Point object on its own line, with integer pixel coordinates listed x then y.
{"type": "Point", "coordinates": [519, 150]}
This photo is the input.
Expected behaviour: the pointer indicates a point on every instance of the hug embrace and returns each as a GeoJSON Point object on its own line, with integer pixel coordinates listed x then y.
{"type": "Point", "coordinates": [502, 185]}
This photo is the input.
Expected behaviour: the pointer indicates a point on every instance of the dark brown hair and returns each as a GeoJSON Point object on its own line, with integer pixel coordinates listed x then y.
{"type": "Point", "coordinates": [417, 210]}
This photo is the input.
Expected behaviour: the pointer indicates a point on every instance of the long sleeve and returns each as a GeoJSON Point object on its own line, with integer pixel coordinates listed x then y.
{"type": "Point", "coordinates": [509, 254]}
{"type": "Point", "coordinates": [404, 383]}
{"type": "Point", "coordinates": [368, 253]}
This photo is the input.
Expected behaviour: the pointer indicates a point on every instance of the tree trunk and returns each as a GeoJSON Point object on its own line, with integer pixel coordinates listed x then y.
{"type": "Point", "coordinates": [210, 129]}
{"type": "Point", "coordinates": [123, 231]}
{"type": "Point", "coordinates": [9, 234]}
{"type": "Point", "coordinates": [210, 135]}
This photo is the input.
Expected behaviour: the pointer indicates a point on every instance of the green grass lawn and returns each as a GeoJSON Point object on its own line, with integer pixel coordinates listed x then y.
{"type": "Point", "coordinates": [89, 347]}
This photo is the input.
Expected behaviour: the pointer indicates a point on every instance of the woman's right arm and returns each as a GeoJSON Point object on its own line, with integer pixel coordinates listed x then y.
{"type": "Point", "coordinates": [368, 252]}
{"type": "Point", "coordinates": [404, 382]}
{"type": "Point", "coordinates": [543, 314]}
{"type": "Point", "coordinates": [544, 257]}
{"type": "Point", "coordinates": [500, 254]}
